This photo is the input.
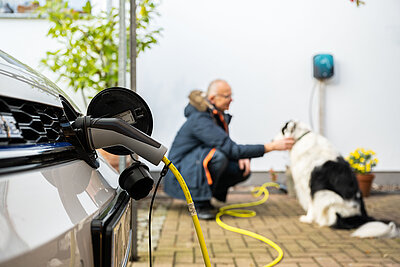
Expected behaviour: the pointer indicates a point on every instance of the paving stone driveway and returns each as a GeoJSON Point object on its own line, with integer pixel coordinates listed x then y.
{"type": "Point", "coordinates": [277, 219]}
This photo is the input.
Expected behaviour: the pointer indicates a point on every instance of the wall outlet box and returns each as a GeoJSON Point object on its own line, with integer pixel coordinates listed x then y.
{"type": "Point", "coordinates": [323, 66]}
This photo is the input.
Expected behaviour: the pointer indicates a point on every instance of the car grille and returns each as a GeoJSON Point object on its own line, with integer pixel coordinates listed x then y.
{"type": "Point", "coordinates": [29, 122]}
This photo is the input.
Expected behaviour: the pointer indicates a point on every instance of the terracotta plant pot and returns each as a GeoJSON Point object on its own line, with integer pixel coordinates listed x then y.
{"type": "Point", "coordinates": [365, 182]}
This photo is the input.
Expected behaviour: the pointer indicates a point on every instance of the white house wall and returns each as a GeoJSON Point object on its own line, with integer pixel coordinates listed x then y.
{"type": "Point", "coordinates": [264, 49]}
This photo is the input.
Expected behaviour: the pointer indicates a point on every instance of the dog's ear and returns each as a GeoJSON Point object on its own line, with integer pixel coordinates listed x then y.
{"type": "Point", "coordinates": [284, 128]}
{"type": "Point", "coordinates": [289, 128]}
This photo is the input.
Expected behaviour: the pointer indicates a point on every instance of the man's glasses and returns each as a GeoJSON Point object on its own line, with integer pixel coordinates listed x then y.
{"type": "Point", "coordinates": [225, 96]}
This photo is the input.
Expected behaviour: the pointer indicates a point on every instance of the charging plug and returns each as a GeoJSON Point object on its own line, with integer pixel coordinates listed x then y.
{"type": "Point", "coordinates": [136, 180]}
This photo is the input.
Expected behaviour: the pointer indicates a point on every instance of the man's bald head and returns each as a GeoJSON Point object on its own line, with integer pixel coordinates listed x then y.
{"type": "Point", "coordinates": [219, 94]}
{"type": "Point", "coordinates": [213, 87]}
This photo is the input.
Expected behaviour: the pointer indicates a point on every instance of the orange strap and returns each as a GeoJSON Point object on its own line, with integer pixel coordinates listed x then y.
{"type": "Point", "coordinates": [221, 118]}
{"type": "Point", "coordinates": [205, 163]}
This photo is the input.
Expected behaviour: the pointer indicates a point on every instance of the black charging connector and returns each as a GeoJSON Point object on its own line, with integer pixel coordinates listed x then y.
{"type": "Point", "coordinates": [136, 180]}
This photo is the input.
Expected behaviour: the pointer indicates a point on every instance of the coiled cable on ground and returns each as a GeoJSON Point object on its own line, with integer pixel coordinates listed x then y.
{"type": "Point", "coordinates": [233, 210]}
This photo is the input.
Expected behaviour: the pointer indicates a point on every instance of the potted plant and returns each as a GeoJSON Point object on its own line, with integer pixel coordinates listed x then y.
{"type": "Point", "coordinates": [362, 162]}
{"type": "Point", "coordinates": [88, 55]}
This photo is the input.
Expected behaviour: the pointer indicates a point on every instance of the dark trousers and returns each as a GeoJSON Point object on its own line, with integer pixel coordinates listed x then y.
{"type": "Point", "coordinates": [225, 173]}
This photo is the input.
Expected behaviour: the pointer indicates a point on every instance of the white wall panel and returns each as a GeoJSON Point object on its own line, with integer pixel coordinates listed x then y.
{"type": "Point", "coordinates": [264, 49]}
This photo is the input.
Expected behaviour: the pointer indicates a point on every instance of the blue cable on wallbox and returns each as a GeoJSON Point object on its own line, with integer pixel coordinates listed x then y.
{"type": "Point", "coordinates": [323, 66]}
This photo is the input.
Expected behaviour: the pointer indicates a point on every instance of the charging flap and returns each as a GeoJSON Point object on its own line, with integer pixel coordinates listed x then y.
{"type": "Point", "coordinates": [118, 102]}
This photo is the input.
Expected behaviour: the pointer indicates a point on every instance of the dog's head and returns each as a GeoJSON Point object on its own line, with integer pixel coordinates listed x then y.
{"type": "Point", "coordinates": [294, 129]}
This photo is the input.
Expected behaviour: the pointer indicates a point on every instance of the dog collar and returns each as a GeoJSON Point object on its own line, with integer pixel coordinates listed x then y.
{"type": "Point", "coordinates": [302, 136]}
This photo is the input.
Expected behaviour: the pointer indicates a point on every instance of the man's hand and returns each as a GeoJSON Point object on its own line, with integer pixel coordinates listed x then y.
{"type": "Point", "coordinates": [280, 144]}
{"type": "Point", "coordinates": [244, 164]}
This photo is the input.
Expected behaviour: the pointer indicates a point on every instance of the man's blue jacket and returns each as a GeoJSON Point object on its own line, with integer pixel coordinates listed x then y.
{"type": "Point", "coordinates": [202, 131]}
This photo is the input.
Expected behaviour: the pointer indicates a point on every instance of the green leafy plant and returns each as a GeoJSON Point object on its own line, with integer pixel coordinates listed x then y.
{"type": "Point", "coordinates": [362, 161]}
{"type": "Point", "coordinates": [88, 57]}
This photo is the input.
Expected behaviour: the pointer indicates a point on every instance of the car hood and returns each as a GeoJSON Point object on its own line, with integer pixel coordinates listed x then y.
{"type": "Point", "coordinates": [18, 80]}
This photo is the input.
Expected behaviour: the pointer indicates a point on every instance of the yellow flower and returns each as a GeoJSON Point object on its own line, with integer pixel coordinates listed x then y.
{"type": "Point", "coordinates": [368, 167]}
{"type": "Point", "coordinates": [362, 160]}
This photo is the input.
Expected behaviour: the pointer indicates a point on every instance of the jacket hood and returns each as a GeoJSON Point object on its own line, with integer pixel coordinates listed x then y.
{"type": "Point", "coordinates": [197, 102]}
{"type": "Point", "coordinates": [189, 110]}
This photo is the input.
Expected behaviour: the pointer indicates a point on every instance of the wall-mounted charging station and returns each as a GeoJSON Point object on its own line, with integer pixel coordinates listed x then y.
{"type": "Point", "coordinates": [323, 69]}
{"type": "Point", "coordinates": [323, 66]}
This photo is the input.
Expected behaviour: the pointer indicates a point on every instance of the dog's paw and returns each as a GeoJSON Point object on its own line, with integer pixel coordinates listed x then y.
{"type": "Point", "coordinates": [305, 219]}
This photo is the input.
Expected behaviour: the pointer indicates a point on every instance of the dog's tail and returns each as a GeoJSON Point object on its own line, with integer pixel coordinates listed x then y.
{"type": "Point", "coordinates": [377, 229]}
{"type": "Point", "coordinates": [367, 227]}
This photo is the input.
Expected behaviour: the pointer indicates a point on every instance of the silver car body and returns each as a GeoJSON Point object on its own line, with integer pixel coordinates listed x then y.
{"type": "Point", "coordinates": [46, 206]}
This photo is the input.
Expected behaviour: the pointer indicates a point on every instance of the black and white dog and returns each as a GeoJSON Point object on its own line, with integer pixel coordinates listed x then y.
{"type": "Point", "coordinates": [326, 187]}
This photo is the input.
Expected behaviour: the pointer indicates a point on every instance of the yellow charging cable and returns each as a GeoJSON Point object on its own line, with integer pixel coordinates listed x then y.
{"type": "Point", "coordinates": [227, 210]}
{"type": "Point", "coordinates": [192, 210]}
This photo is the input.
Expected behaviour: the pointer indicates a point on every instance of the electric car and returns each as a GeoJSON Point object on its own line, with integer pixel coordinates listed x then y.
{"type": "Point", "coordinates": [60, 203]}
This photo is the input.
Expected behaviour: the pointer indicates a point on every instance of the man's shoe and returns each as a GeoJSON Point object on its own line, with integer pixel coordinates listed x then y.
{"type": "Point", "coordinates": [206, 213]}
